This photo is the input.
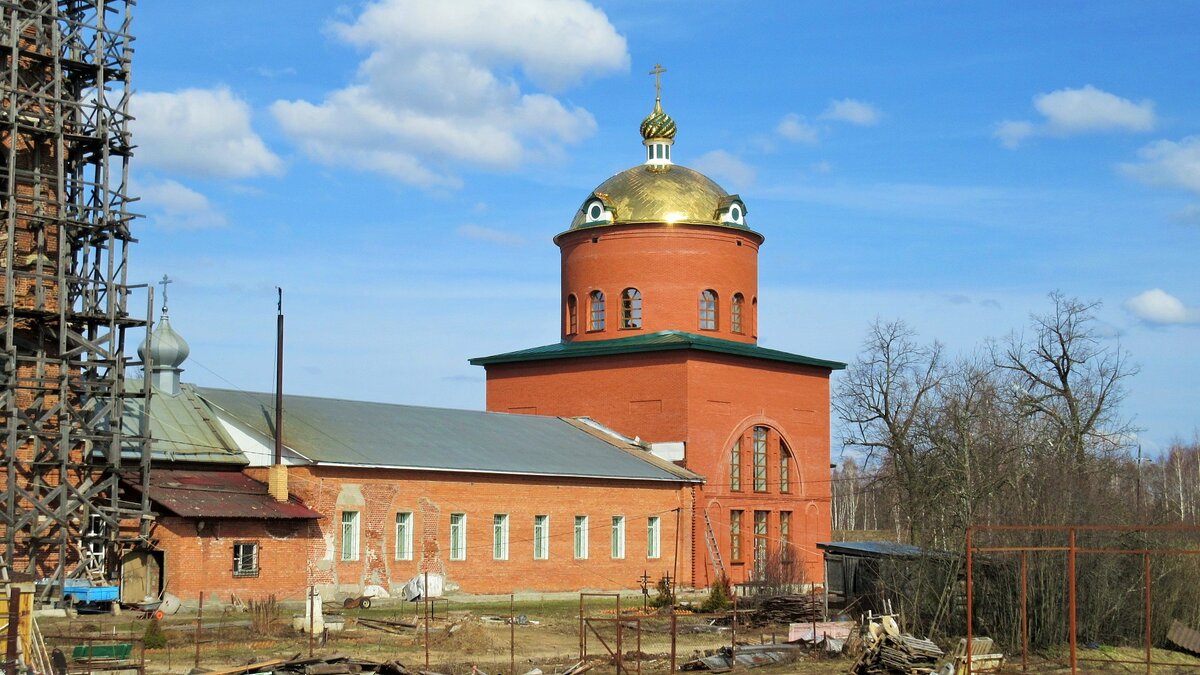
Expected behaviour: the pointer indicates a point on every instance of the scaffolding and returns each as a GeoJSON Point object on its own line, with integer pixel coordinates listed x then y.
{"type": "Point", "coordinates": [64, 171]}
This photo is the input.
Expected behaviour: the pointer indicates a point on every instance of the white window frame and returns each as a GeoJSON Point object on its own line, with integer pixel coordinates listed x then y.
{"type": "Point", "coordinates": [541, 537]}
{"type": "Point", "coordinates": [618, 537]}
{"type": "Point", "coordinates": [350, 527]}
{"type": "Point", "coordinates": [404, 535]}
{"type": "Point", "coordinates": [500, 536]}
{"type": "Point", "coordinates": [458, 536]}
{"type": "Point", "coordinates": [240, 568]}
{"type": "Point", "coordinates": [581, 537]}
{"type": "Point", "coordinates": [653, 537]}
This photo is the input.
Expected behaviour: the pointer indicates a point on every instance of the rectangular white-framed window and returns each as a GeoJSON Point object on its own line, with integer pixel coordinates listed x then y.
{"type": "Point", "coordinates": [581, 537]}
{"type": "Point", "coordinates": [458, 536]}
{"type": "Point", "coordinates": [618, 537]}
{"type": "Point", "coordinates": [245, 559]}
{"type": "Point", "coordinates": [349, 535]}
{"type": "Point", "coordinates": [735, 535]}
{"type": "Point", "coordinates": [404, 534]}
{"type": "Point", "coordinates": [760, 543]}
{"type": "Point", "coordinates": [785, 536]}
{"type": "Point", "coordinates": [500, 536]}
{"type": "Point", "coordinates": [653, 537]}
{"type": "Point", "coordinates": [541, 537]}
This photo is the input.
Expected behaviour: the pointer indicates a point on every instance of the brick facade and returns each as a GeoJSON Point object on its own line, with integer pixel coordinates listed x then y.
{"type": "Point", "coordinates": [707, 400]}
{"type": "Point", "coordinates": [295, 554]}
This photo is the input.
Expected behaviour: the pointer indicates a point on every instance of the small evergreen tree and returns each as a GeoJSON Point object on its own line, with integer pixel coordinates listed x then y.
{"type": "Point", "coordinates": [154, 637]}
{"type": "Point", "coordinates": [719, 594]}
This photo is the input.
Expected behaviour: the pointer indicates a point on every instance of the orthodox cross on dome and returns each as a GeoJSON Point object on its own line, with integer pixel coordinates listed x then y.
{"type": "Point", "coordinates": [657, 73]}
{"type": "Point", "coordinates": [165, 280]}
{"type": "Point", "coordinates": [658, 129]}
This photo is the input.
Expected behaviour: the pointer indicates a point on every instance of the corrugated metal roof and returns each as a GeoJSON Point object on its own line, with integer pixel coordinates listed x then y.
{"type": "Point", "coordinates": [334, 431]}
{"type": "Point", "coordinates": [877, 549]}
{"type": "Point", "coordinates": [183, 428]}
{"type": "Point", "coordinates": [653, 342]}
{"type": "Point", "coordinates": [219, 494]}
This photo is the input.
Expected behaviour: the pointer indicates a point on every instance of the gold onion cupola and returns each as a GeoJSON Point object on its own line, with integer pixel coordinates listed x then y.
{"type": "Point", "coordinates": [658, 129]}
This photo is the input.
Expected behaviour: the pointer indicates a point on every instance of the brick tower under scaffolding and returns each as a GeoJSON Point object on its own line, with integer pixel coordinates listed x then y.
{"type": "Point", "coordinates": [64, 169]}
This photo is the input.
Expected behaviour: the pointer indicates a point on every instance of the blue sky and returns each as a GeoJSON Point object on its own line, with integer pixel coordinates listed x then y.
{"type": "Point", "coordinates": [399, 168]}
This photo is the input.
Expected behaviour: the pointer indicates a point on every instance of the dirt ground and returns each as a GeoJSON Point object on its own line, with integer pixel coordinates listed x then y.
{"type": "Point", "coordinates": [466, 634]}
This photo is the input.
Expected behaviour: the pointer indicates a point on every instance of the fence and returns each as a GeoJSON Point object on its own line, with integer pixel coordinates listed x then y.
{"type": "Point", "coordinates": [611, 633]}
{"type": "Point", "coordinates": [1131, 541]}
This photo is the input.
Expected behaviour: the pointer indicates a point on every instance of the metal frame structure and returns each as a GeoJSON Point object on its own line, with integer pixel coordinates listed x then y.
{"type": "Point", "coordinates": [1073, 549]}
{"type": "Point", "coordinates": [64, 174]}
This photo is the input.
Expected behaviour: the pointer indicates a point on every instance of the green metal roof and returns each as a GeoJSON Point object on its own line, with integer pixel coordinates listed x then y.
{"type": "Point", "coordinates": [183, 428]}
{"type": "Point", "coordinates": [653, 342]}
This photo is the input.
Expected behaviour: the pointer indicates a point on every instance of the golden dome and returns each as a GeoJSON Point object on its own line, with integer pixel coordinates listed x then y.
{"type": "Point", "coordinates": [660, 194]}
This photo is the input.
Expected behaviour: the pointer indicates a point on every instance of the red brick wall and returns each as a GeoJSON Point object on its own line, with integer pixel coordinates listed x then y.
{"type": "Point", "coordinates": [432, 497]}
{"type": "Point", "coordinates": [706, 400]}
{"type": "Point", "coordinates": [203, 562]}
{"type": "Point", "coordinates": [670, 265]}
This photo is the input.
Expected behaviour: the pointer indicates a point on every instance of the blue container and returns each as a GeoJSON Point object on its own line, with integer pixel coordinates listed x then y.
{"type": "Point", "coordinates": [91, 593]}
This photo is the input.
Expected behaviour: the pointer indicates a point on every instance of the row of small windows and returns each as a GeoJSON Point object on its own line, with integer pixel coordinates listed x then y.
{"type": "Point", "coordinates": [631, 311]}
{"type": "Point", "coordinates": [760, 461]}
{"type": "Point", "coordinates": [500, 537]}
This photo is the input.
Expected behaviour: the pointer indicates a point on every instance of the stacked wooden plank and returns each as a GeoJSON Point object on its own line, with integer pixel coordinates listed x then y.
{"type": "Point", "coordinates": [888, 651]}
{"type": "Point", "coordinates": [789, 609]}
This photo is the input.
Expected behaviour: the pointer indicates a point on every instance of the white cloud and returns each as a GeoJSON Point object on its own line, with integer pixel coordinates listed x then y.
{"type": "Point", "coordinates": [1072, 111]}
{"type": "Point", "coordinates": [1158, 306]}
{"type": "Point", "coordinates": [171, 205]}
{"type": "Point", "coordinates": [723, 165]}
{"type": "Point", "coordinates": [853, 111]}
{"type": "Point", "coordinates": [1011, 133]}
{"type": "Point", "coordinates": [1068, 112]}
{"type": "Point", "coordinates": [436, 90]}
{"type": "Point", "coordinates": [1189, 215]}
{"type": "Point", "coordinates": [1168, 163]}
{"type": "Point", "coordinates": [202, 132]}
{"type": "Point", "coordinates": [795, 128]}
{"type": "Point", "coordinates": [495, 236]}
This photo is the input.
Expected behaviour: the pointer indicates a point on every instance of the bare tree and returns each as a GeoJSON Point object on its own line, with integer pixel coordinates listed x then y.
{"type": "Point", "coordinates": [880, 400]}
{"type": "Point", "coordinates": [1069, 386]}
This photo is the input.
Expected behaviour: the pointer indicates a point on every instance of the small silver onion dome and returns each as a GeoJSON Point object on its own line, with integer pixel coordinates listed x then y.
{"type": "Point", "coordinates": [168, 348]}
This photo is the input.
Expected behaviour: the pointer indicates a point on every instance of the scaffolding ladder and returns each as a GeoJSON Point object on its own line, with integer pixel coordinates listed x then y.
{"type": "Point", "coordinates": [714, 551]}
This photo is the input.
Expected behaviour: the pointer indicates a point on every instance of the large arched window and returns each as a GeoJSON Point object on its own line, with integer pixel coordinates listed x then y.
{"type": "Point", "coordinates": [572, 315]}
{"type": "Point", "coordinates": [631, 308]}
{"type": "Point", "coordinates": [597, 310]}
{"type": "Point", "coordinates": [708, 310]}
{"type": "Point", "coordinates": [735, 317]}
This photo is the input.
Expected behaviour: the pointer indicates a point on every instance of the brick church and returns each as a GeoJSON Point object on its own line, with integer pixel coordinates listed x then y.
{"type": "Point", "coordinates": [655, 436]}
{"type": "Point", "coordinates": [659, 342]}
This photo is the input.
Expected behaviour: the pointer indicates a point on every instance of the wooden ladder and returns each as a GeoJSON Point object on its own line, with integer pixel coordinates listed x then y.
{"type": "Point", "coordinates": [714, 551]}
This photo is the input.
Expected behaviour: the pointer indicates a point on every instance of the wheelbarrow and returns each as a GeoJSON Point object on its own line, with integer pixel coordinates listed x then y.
{"type": "Point", "coordinates": [361, 602]}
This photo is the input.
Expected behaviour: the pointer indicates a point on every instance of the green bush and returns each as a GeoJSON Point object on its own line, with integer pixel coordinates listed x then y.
{"type": "Point", "coordinates": [719, 594]}
{"type": "Point", "coordinates": [665, 597]}
{"type": "Point", "coordinates": [154, 637]}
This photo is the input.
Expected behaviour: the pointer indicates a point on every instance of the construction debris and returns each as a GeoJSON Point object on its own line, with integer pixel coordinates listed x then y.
{"type": "Point", "coordinates": [746, 656]}
{"type": "Point", "coordinates": [887, 650]}
{"type": "Point", "coordinates": [1184, 637]}
{"type": "Point", "coordinates": [983, 658]}
{"type": "Point", "coordinates": [333, 665]}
